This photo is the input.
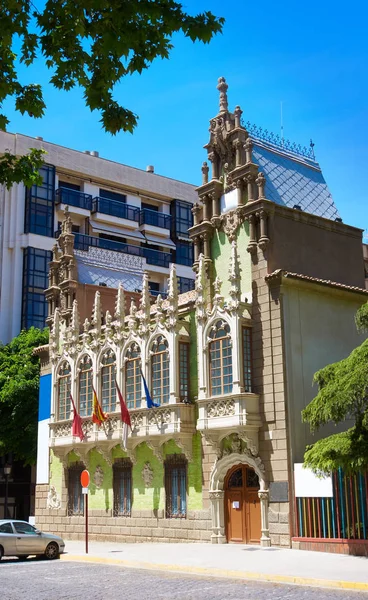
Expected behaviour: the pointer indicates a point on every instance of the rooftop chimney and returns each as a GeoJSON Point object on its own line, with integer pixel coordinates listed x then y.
{"type": "Point", "coordinates": [150, 169]}
{"type": "Point", "coordinates": [95, 153]}
{"type": "Point", "coordinates": [38, 137]}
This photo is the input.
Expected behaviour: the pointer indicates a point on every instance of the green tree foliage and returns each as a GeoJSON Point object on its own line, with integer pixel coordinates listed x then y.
{"type": "Point", "coordinates": [92, 44]}
{"type": "Point", "coordinates": [343, 395]}
{"type": "Point", "coordinates": [19, 385]}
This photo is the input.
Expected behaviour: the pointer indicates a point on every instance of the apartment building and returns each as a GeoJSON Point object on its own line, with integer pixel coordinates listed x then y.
{"type": "Point", "coordinates": [126, 221]}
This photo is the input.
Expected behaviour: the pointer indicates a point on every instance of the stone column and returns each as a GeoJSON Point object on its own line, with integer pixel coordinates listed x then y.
{"type": "Point", "coordinates": [238, 153]}
{"type": "Point", "coordinates": [205, 170]}
{"type": "Point", "coordinates": [239, 191]}
{"type": "Point", "coordinates": [249, 180]}
{"type": "Point", "coordinates": [265, 537]}
{"type": "Point", "coordinates": [261, 182]}
{"type": "Point", "coordinates": [252, 245]}
{"type": "Point", "coordinates": [196, 249]}
{"type": "Point", "coordinates": [248, 150]}
{"type": "Point", "coordinates": [263, 240]}
{"type": "Point", "coordinates": [213, 158]}
{"type": "Point", "coordinates": [195, 211]}
{"type": "Point", "coordinates": [237, 114]}
{"type": "Point", "coordinates": [218, 521]}
{"type": "Point", "coordinates": [215, 205]}
{"type": "Point", "coordinates": [206, 215]}
{"type": "Point", "coordinates": [206, 239]}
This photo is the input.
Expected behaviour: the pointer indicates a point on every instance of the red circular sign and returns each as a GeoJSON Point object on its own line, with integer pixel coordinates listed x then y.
{"type": "Point", "coordinates": [85, 478]}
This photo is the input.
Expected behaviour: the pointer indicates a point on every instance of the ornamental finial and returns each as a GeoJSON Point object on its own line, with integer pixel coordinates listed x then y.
{"type": "Point", "coordinates": [222, 87]}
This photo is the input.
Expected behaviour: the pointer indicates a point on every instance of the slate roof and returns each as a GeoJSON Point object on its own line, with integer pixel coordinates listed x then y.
{"type": "Point", "coordinates": [294, 180]}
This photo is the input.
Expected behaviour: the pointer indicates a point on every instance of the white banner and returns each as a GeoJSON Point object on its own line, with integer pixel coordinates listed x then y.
{"type": "Point", "coordinates": [308, 485]}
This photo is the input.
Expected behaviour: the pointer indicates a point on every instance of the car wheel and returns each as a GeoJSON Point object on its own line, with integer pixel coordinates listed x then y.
{"type": "Point", "coordinates": [52, 551]}
{"type": "Point", "coordinates": [1, 552]}
{"type": "Point", "coordinates": [23, 557]}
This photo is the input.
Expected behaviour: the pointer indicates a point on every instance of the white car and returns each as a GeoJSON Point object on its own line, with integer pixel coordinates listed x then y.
{"type": "Point", "coordinates": [19, 538]}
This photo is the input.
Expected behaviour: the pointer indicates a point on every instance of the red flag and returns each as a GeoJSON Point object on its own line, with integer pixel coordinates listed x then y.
{"type": "Point", "coordinates": [77, 423]}
{"type": "Point", "coordinates": [97, 416]}
{"type": "Point", "coordinates": [125, 416]}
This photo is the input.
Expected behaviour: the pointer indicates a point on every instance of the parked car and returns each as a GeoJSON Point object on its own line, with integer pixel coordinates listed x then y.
{"type": "Point", "coordinates": [19, 538]}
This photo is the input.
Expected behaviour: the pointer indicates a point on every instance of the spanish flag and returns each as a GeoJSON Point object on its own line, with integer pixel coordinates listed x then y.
{"type": "Point", "coordinates": [97, 416]}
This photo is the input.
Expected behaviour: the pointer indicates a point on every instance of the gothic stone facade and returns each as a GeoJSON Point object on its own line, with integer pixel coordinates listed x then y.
{"type": "Point", "coordinates": [230, 363]}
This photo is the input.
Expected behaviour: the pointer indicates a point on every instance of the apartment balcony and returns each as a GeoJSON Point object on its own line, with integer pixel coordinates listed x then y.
{"type": "Point", "coordinates": [115, 209]}
{"type": "Point", "coordinates": [73, 198]}
{"type": "Point", "coordinates": [154, 426]}
{"type": "Point", "coordinates": [153, 257]}
{"type": "Point", "coordinates": [152, 218]}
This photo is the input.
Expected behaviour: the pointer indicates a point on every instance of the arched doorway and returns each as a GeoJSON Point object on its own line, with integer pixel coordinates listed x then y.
{"type": "Point", "coordinates": [242, 505]}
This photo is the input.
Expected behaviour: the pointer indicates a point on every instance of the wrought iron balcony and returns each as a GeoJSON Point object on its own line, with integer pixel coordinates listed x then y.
{"type": "Point", "coordinates": [153, 257]}
{"type": "Point", "coordinates": [83, 242]}
{"type": "Point", "coordinates": [73, 198]}
{"type": "Point", "coordinates": [115, 209]}
{"type": "Point", "coordinates": [156, 257]}
{"type": "Point", "coordinates": [157, 219]}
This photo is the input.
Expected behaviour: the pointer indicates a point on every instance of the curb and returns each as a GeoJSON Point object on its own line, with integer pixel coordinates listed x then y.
{"type": "Point", "coordinates": [213, 572]}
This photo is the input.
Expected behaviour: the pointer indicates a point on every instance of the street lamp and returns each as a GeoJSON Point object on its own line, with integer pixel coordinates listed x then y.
{"type": "Point", "coordinates": [7, 471]}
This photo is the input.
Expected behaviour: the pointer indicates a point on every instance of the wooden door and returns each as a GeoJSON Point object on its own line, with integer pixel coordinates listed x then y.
{"type": "Point", "coordinates": [242, 506]}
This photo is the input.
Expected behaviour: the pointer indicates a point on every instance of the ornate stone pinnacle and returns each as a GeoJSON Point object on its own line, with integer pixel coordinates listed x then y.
{"type": "Point", "coordinates": [222, 87]}
{"type": "Point", "coordinates": [237, 113]}
{"type": "Point", "coordinates": [205, 169]}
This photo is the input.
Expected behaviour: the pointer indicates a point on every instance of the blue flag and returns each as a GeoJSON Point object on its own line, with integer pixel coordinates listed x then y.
{"type": "Point", "coordinates": [150, 402]}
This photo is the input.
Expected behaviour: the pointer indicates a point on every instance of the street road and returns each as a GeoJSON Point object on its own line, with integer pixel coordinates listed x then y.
{"type": "Point", "coordinates": [41, 580]}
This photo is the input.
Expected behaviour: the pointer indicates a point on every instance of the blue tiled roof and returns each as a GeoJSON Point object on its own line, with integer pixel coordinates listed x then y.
{"type": "Point", "coordinates": [294, 181]}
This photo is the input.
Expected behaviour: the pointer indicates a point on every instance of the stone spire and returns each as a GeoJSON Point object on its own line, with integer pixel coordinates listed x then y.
{"type": "Point", "coordinates": [132, 320]}
{"type": "Point", "coordinates": [222, 88]}
{"type": "Point", "coordinates": [75, 322]}
{"type": "Point", "coordinates": [234, 278]}
{"type": "Point", "coordinates": [172, 309]}
{"type": "Point", "coordinates": [55, 333]}
{"type": "Point", "coordinates": [120, 305]}
{"type": "Point", "coordinates": [96, 313]}
{"type": "Point", "coordinates": [145, 305]}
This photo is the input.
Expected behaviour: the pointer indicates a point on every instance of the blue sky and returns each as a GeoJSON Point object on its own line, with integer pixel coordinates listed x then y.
{"type": "Point", "coordinates": [311, 56]}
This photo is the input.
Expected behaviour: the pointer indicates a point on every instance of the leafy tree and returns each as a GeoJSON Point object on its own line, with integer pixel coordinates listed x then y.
{"type": "Point", "coordinates": [19, 385]}
{"type": "Point", "coordinates": [92, 44]}
{"type": "Point", "coordinates": [343, 395]}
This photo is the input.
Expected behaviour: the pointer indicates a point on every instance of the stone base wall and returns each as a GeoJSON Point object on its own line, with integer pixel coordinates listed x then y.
{"type": "Point", "coordinates": [278, 516]}
{"type": "Point", "coordinates": [142, 526]}
{"type": "Point", "coordinates": [353, 547]}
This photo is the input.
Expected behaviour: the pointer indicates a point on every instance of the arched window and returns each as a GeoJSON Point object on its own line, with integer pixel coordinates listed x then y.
{"type": "Point", "coordinates": [221, 370]}
{"type": "Point", "coordinates": [85, 386]}
{"type": "Point", "coordinates": [64, 386]}
{"type": "Point", "coordinates": [160, 371]}
{"type": "Point", "coordinates": [133, 380]}
{"type": "Point", "coordinates": [108, 387]}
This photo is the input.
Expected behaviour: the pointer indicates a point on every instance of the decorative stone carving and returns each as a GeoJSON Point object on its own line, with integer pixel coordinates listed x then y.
{"type": "Point", "coordinates": [98, 476]}
{"type": "Point", "coordinates": [231, 221]}
{"type": "Point", "coordinates": [221, 408]}
{"type": "Point", "coordinates": [63, 430]}
{"type": "Point", "coordinates": [234, 279]}
{"type": "Point", "coordinates": [53, 500]}
{"type": "Point", "coordinates": [222, 88]}
{"type": "Point", "coordinates": [159, 417]}
{"type": "Point", "coordinates": [147, 474]}
{"type": "Point", "coordinates": [172, 300]}
{"type": "Point", "coordinates": [136, 420]}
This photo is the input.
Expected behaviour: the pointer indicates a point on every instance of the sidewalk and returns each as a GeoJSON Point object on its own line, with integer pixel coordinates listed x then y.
{"type": "Point", "coordinates": [317, 569]}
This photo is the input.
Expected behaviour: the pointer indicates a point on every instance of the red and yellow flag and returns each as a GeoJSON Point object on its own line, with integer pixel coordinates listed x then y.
{"type": "Point", "coordinates": [98, 416]}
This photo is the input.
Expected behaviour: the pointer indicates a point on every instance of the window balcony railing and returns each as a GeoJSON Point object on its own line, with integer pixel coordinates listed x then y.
{"type": "Point", "coordinates": [115, 209]}
{"type": "Point", "coordinates": [153, 257]}
{"type": "Point", "coordinates": [152, 217]}
{"type": "Point", "coordinates": [73, 198]}
{"type": "Point", "coordinates": [156, 257]}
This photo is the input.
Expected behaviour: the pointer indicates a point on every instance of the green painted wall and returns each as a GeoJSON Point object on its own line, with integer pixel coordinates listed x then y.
{"type": "Point", "coordinates": [153, 497]}
{"type": "Point", "coordinates": [244, 259]}
{"type": "Point", "coordinates": [56, 473]}
{"type": "Point", "coordinates": [221, 256]}
{"type": "Point", "coordinates": [100, 497]}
